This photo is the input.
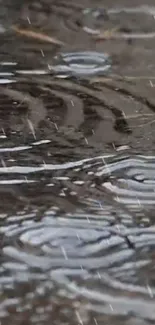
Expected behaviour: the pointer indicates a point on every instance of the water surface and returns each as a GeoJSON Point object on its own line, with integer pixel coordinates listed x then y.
{"type": "Point", "coordinates": [77, 161]}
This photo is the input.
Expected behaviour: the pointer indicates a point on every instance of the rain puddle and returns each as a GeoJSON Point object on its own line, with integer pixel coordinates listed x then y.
{"type": "Point", "coordinates": [77, 181]}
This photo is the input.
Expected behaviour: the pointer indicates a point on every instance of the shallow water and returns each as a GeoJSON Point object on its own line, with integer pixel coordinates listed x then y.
{"type": "Point", "coordinates": [77, 181]}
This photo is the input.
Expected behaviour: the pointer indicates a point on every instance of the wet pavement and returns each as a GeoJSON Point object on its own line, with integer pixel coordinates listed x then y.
{"type": "Point", "coordinates": [77, 181]}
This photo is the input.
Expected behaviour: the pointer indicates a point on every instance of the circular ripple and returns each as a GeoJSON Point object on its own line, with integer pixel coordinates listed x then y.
{"type": "Point", "coordinates": [129, 19]}
{"type": "Point", "coordinates": [88, 258]}
{"type": "Point", "coordinates": [132, 181]}
{"type": "Point", "coordinates": [97, 253]}
{"type": "Point", "coordinates": [82, 64]}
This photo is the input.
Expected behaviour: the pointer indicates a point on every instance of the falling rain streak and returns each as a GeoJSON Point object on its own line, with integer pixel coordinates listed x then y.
{"type": "Point", "coordinates": [77, 181]}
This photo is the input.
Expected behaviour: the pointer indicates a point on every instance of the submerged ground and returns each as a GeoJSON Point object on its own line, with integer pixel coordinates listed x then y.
{"type": "Point", "coordinates": [77, 162]}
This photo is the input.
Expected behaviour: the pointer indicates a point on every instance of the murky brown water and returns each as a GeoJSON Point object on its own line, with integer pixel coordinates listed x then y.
{"type": "Point", "coordinates": [77, 180]}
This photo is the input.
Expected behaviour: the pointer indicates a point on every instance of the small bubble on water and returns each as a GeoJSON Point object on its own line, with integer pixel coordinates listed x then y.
{"type": "Point", "coordinates": [62, 193]}
{"type": "Point", "coordinates": [73, 193]}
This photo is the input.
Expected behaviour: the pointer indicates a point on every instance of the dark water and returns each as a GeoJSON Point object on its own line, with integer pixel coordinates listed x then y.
{"type": "Point", "coordinates": [77, 162]}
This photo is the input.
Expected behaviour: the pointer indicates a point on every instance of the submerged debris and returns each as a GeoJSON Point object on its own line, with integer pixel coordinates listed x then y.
{"type": "Point", "coordinates": [36, 35]}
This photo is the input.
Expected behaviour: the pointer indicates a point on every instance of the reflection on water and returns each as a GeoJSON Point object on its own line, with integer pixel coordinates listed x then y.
{"type": "Point", "coordinates": [77, 182]}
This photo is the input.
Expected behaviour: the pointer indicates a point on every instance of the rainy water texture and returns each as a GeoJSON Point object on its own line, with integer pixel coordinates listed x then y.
{"type": "Point", "coordinates": [77, 162]}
